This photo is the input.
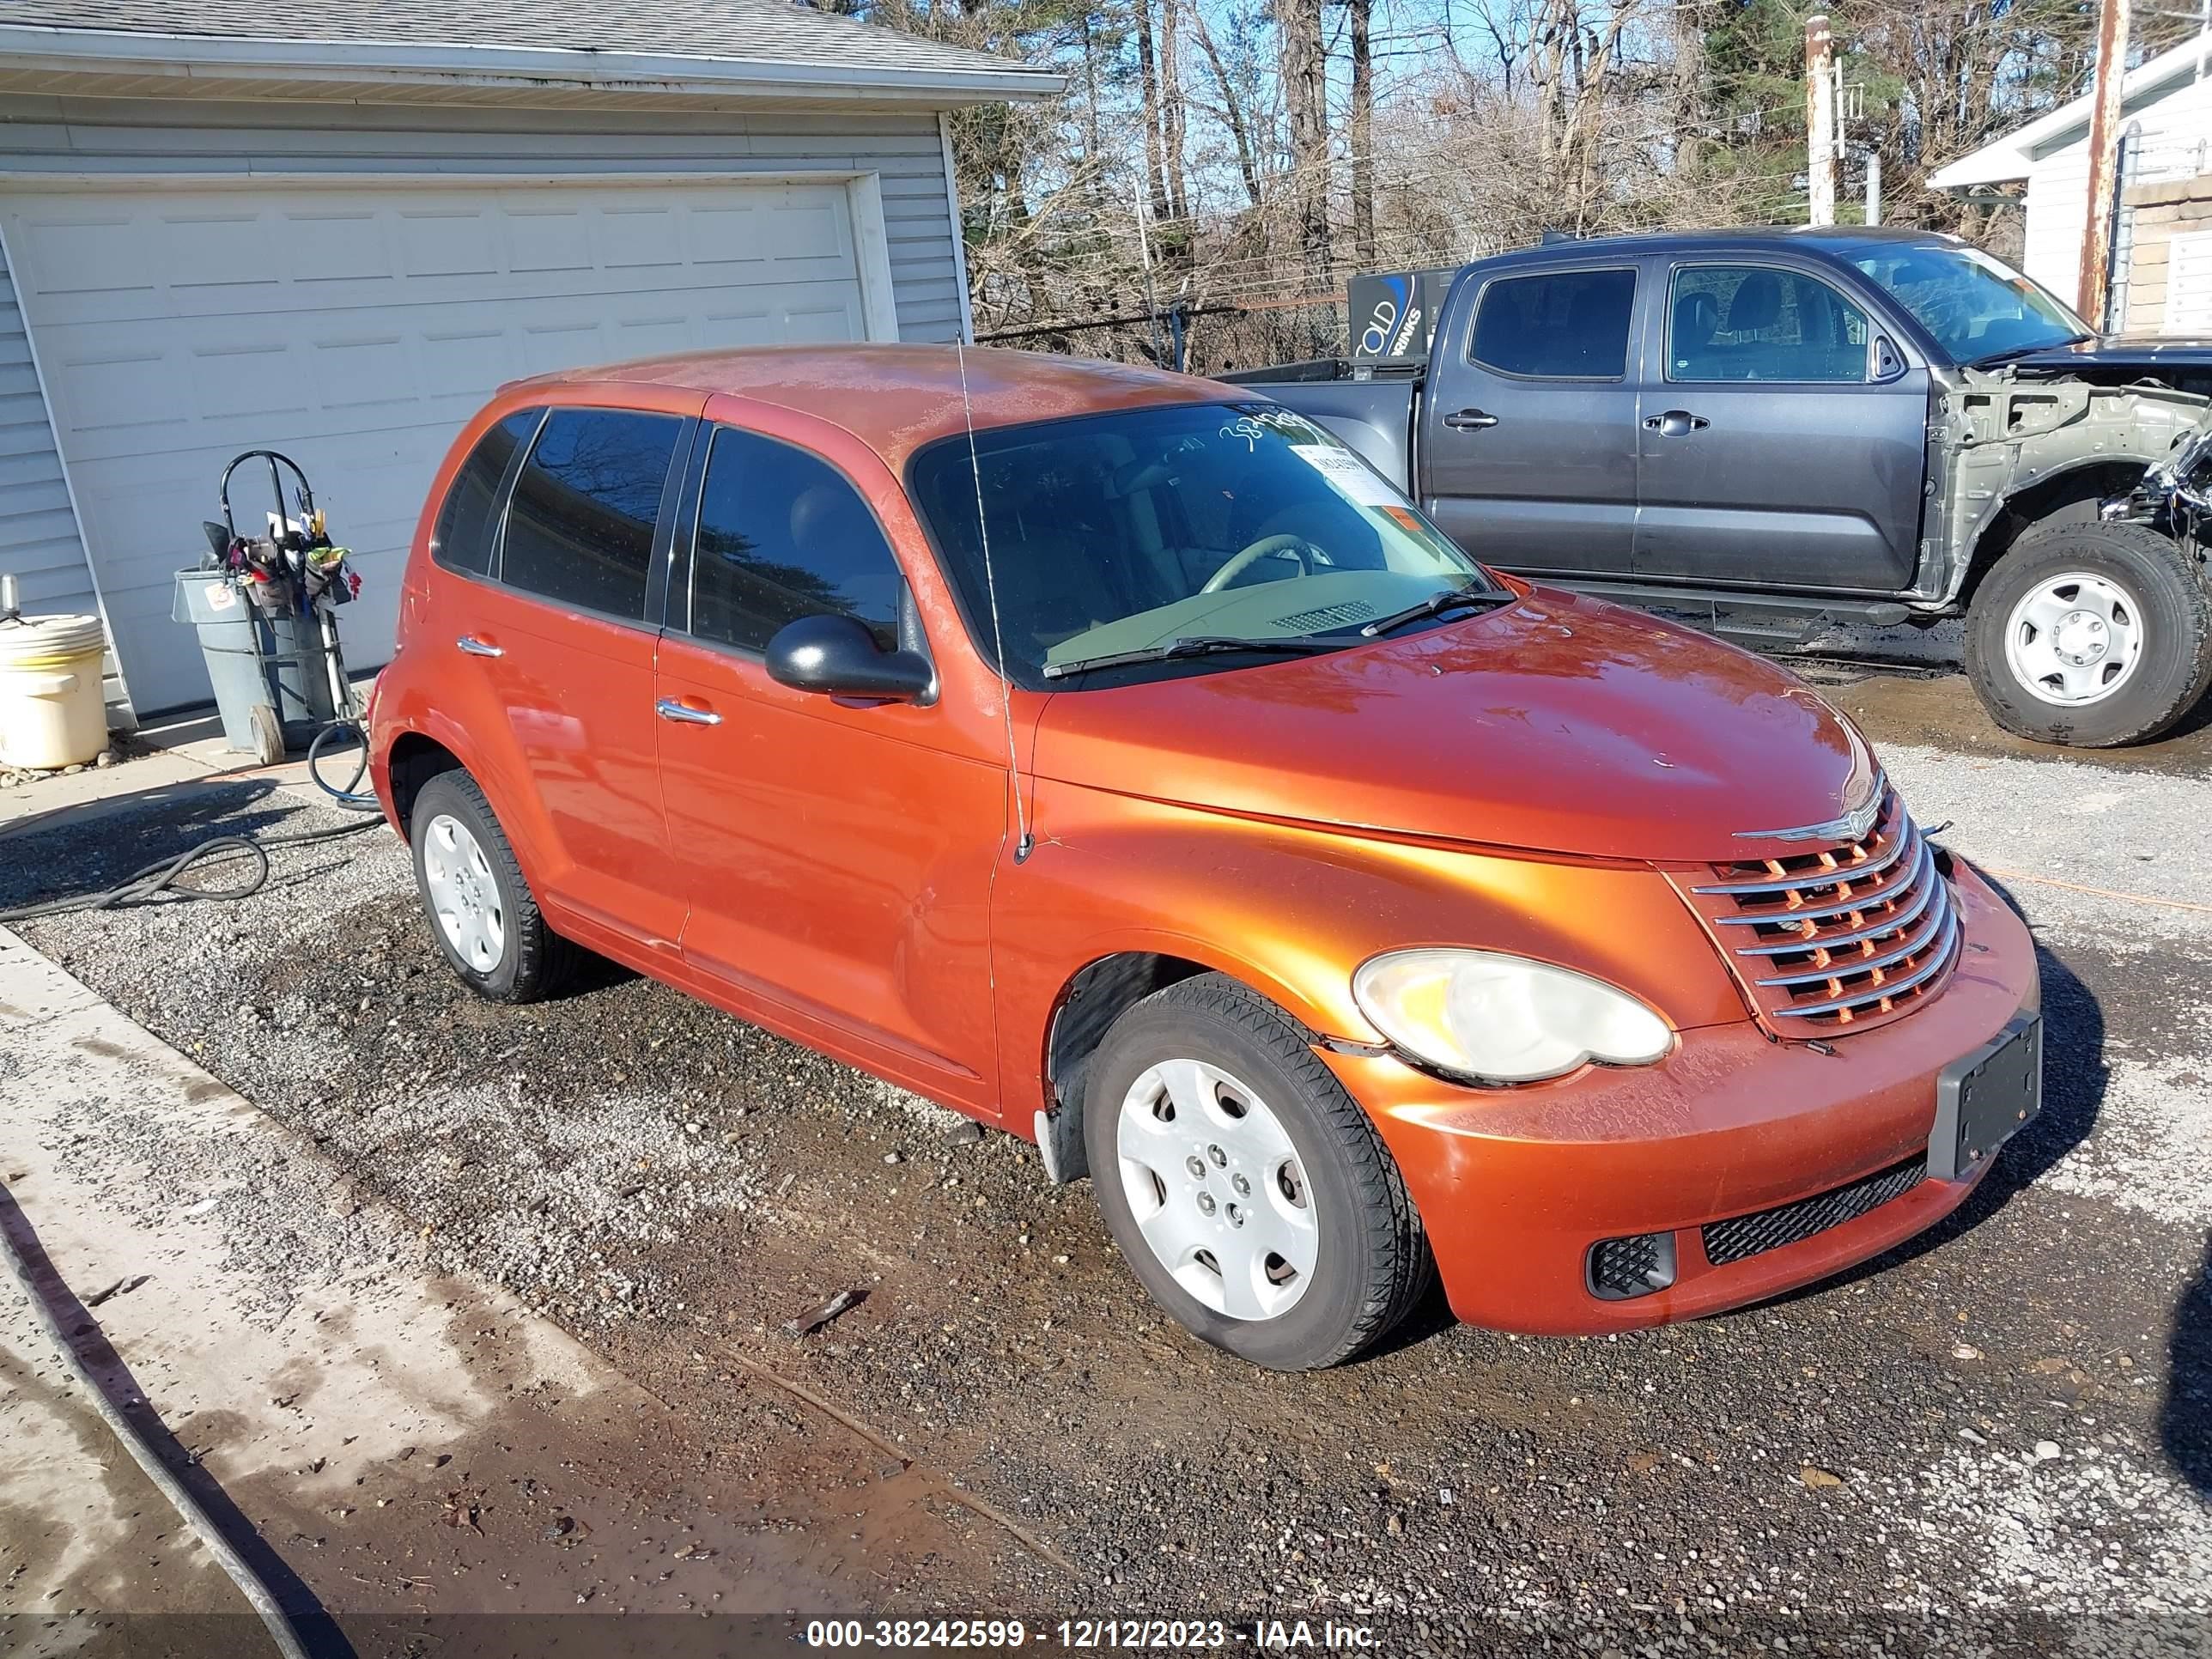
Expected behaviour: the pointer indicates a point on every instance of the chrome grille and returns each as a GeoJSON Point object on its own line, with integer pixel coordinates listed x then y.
{"type": "Point", "coordinates": [1839, 939]}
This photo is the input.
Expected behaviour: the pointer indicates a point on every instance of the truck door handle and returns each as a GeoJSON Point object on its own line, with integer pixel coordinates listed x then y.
{"type": "Point", "coordinates": [1676, 423]}
{"type": "Point", "coordinates": [470, 646]}
{"type": "Point", "coordinates": [683, 714]}
{"type": "Point", "coordinates": [1469, 420]}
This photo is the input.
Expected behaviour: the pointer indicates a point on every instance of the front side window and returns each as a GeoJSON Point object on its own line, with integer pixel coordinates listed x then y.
{"type": "Point", "coordinates": [783, 535]}
{"type": "Point", "coordinates": [1563, 325]}
{"type": "Point", "coordinates": [1179, 526]}
{"type": "Point", "coordinates": [580, 527]}
{"type": "Point", "coordinates": [1978, 308]}
{"type": "Point", "coordinates": [462, 540]}
{"type": "Point", "coordinates": [1757, 323]}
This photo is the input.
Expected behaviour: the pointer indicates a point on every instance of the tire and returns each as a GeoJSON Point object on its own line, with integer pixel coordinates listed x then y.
{"type": "Point", "coordinates": [2115, 589]}
{"type": "Point", "coordinates": [1301, 1145]}
{"type": "Point", "coordinates": [465, 867]}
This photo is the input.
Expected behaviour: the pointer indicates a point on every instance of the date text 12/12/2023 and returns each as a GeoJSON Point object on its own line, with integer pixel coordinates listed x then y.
{"type": "Point", "coordinates": [1086, 1635]}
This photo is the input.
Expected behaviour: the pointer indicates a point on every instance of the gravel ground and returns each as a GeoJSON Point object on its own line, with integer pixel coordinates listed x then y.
{"type": "Point", "coordinates": [1994, 1440]}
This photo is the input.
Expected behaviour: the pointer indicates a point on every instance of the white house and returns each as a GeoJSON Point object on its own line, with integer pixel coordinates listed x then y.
{"type": "Point", "coordinates": [2166, 111]}
{"type": "Point", "coordinates": [332, 229]}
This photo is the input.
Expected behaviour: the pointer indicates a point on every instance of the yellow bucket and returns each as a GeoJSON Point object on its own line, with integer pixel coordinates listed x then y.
{"type": "Point", "coordinates": [53, 712]}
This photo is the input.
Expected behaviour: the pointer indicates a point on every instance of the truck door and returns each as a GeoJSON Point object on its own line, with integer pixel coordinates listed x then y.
{"type": "Point", "coordinates": [1783, 435]}
{"type": "Point", "coordinates": [1528, 422]}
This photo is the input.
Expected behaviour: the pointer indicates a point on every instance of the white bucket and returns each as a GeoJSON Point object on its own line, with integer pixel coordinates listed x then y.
{"type": "Point", "coordinates": [53, 711]}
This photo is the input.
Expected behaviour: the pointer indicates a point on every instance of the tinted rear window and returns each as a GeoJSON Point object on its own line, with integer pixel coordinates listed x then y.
{"type": "Point", "coordinates": [580, 528]}
{"type": "Point", "coordinates": [1565, 325]}
{"type": "Point", "coordinates": [462, 540]}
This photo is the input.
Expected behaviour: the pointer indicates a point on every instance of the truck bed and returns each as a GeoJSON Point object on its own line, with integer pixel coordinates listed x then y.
{"type": "Point", "coordinates": [1371, 406]}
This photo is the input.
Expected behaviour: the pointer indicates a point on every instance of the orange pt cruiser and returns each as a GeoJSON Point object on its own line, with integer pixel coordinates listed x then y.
{"type": "Point", "coordinates": [1118, 759]}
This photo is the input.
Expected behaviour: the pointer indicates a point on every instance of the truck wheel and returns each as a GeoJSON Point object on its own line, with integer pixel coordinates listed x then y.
{"type": "Point", "coordinates": [1246, 1190]}
{"type": "Point", "coordinates": [2090, 635]}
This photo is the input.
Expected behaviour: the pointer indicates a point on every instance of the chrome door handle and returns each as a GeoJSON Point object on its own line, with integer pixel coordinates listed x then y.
{"type": "Point", "coordinates": [1675, 422]}
{"type": "Point", "coordinates": [1469, 420]}
{"type": "Point", "coordinates": [470, 646]}
{"type": "Point", "coordinates": [683, 714]}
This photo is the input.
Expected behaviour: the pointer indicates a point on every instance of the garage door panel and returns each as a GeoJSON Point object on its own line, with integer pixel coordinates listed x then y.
{"type": "Point", "coordinates": [356, 329]}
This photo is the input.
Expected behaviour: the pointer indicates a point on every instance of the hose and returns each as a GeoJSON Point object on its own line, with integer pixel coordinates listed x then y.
{"type": "Point", "coordinates": [152, 880]}
{"type": "Point", "coordinates": [273, 1616]}
{"type": "Point", "coordinates": [349, 795]}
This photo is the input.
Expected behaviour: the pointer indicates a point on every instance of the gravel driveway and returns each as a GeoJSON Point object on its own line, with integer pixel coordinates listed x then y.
{"type": "Point", "coordinates": [2001, 1433]}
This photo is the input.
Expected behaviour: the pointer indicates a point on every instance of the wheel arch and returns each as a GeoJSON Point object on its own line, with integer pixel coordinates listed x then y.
{"type": "Point", "coordinates": [413, 760]}
{"type": "Point", "coordinates": [1091, 999]}
{"type": "Point", "coordinates": [2068, 495]}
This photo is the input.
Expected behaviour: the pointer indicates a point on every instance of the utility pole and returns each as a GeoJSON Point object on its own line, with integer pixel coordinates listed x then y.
{"type": "Point", "coordinates": [1874, 187]}
{"type": "Point", "coordinates": [2103, 162]}
{"type": "Point", "coordinates": [1820, 122]}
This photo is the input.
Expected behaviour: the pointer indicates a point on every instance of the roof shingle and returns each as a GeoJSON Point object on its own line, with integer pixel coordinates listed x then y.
{"type": "Point", "coordinates": [708, 32]}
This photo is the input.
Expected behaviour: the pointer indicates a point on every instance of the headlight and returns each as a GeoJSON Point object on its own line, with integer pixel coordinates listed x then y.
{"type": "Point", "coordinates": [1503, 1019]}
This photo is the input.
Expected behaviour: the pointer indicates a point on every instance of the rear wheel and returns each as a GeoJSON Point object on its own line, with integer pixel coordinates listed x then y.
{"type": "Point", "coordinates": [482, 914]}
{"type": "Point", "coordinates": [1250, 1195]}
{"type": "Point", "coordinates": [2091, 634]}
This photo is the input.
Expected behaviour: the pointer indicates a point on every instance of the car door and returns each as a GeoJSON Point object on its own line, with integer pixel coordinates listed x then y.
{"type": "Point", "coordinates": [1528, 433]}
{"type": "Point", "coordinates": [1783, 435]}
{"type": "Point", "coordinates": [837, 855]}
{"type": "Point", "coordinates": [565, 633]}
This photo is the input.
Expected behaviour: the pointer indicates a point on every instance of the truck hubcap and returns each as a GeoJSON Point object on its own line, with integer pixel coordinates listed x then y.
{"type": "Point", "coordinates": [464, 896]}
{"type": "Point", "coordinates": [1217, 1190]}
{"type": "Point", "coordinates": [2075, 639]}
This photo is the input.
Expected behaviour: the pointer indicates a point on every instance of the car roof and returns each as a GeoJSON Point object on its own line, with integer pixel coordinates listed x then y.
{"type": "Point", "coordinates": [1833, 241]}
{"type": "Point", "coordinates": [895, 398]}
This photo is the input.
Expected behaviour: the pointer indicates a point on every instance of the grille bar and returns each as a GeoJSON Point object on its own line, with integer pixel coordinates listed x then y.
{"type": "Point", "coordinates": [1742, 1237]}
{"type": "Point", "coordinates": [1838, 937]}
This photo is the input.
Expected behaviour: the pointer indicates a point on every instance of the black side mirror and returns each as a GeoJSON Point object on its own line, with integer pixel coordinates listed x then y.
{"type": "Point", "coordinates": [838, 656]}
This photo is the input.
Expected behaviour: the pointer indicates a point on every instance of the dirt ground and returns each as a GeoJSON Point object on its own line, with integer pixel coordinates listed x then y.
{"type": "Point", "coordinates": [1999, 1437]}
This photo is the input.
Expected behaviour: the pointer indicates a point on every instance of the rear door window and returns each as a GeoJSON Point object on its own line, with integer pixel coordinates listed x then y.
{"type": "Point", "coordinates": [580, 528]}
{"type": "Point", "coordinates": [783, 535]}
{"type": "Point", "coordinates": [1561, 325]}
{"type": "Point", "coordinates": [463, 538]}
{"type": "Point", "coordinates": [1762, 323]}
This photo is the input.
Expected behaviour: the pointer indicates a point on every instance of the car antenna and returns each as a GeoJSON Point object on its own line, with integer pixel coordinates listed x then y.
{"type": "Point", "coordinates": [1022, 844]}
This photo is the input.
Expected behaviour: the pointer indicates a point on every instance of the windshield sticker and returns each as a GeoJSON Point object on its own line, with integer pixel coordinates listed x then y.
{"type": "Point", "coordinates": [1247, 429]}
{"type": "Point", "coordinates": [1349, 476]}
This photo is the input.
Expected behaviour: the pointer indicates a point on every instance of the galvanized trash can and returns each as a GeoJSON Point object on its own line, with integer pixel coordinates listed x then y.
{"type": "Point", "coordinates": [273, 690]}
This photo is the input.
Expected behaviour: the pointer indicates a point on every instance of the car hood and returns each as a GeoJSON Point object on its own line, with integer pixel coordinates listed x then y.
{"type": "Point", "coordinates": [2151, 351]}
{"type": "Point", "coordinates": [1559, 724]}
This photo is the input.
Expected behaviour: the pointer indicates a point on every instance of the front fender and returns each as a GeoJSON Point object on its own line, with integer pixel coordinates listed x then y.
{"type": "Point", "coordinates": [1293, 909]}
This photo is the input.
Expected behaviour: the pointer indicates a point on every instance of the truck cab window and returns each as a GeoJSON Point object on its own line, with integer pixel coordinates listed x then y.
{"type": "Point", "coordinates": [1759, 322]}
{"type": "Point", "coordinates": [1562, 326]}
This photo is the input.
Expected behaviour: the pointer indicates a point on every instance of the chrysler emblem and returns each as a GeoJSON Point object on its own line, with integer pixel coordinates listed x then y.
{"type": "Point", "coordinates": [1862, 793]}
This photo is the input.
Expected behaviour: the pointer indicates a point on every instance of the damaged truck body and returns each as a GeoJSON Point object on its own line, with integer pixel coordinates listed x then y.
{"type": "Point", "coordinates": [1780, 430]}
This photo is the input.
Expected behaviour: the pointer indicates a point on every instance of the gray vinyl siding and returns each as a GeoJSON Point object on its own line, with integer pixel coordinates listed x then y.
{"type": "Point", "coordinates": [128, 136]}
{"type": "Point", "coordinates": [39, 544]}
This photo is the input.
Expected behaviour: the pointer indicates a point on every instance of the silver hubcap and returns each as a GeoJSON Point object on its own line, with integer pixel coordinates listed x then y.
{"type": "Point", "coordinates": [1217, 1189]}
{"type": "Point", "coordinates": [463, 895]}
{"type": "Point", "coordinates": [2075, 639]}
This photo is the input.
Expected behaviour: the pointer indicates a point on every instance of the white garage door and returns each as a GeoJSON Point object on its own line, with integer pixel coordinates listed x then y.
{"type": "Point", "coordinates": [355, 328]}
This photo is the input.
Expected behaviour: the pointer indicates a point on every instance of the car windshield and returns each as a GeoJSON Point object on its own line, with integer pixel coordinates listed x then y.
{"type": "Point", "coordinates": [1190, 523]}
{"type": "Point", "coordinates": [1977, 307]}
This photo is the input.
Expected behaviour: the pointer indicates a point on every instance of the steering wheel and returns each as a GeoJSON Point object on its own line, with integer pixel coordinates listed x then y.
{"type": "Point", "coordinates": [1266, 547]}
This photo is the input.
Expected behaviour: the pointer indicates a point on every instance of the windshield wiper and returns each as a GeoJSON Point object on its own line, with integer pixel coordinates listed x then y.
{"type": "Point", "coordinates": [1450, 598]}
{"type": "Point", "coordinates": [1198, 646]}
{"type": "Point", "coordinates": [2030, 350]}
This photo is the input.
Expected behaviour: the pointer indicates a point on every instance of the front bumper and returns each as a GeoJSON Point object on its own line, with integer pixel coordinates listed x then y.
{"type": "Point", "coordinates": [1513, 1186]}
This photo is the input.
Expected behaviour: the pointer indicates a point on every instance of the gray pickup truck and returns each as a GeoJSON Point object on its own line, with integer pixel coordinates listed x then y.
{"type": "Point", "coordinates": [1784, 429]}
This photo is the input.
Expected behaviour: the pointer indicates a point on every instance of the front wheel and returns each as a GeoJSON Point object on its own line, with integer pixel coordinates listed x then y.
{"type": "Point", "coordinates": [1249, 1193]}
{"type": "Point", "coordinates": [2090, 635]}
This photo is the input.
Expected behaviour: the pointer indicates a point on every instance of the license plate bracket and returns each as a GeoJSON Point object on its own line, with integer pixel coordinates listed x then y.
{"type": "Point", "coordinates": [1984, 1098]}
